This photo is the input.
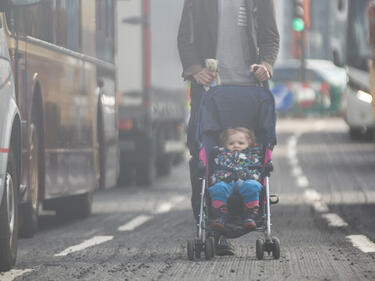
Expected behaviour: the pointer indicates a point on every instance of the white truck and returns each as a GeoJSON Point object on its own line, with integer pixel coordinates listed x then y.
{"type": "Point", "coordinates": [151, 94]}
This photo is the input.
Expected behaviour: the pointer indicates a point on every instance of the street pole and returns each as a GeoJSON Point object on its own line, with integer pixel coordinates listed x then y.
{"type": "Point", "coordinates": [303, 55]}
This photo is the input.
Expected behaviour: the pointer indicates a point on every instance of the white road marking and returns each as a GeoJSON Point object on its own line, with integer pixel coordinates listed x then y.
{"type": "Point", "coordinates": [294, 162]}
{"type": "Point", "coordinates": [160, 209]}
{"type": "Point", "coordinates": [334, 220]}
{"type": "Point", "coordinates": [320, 206]}
{"type": "Point", "coordinates": [167, 206]}
{"type": "Point", "coordinates": [316, 199]}
{"type": "Point", "coordinates": [292, 153]}
{"type": "Point", "coordinates": [312, 195]}
{"type": "Point", "coordinates": [96, 240]}
{"type": "Point", "coordinates": [297, 171]}
{"type": "Point", "coordinates": [13, 274]}
{"type": "Point", "coordinates": [302, 182]}
{"type": "Point", "coordinates": [134, 223]}
{"type": "Point", "coordinates": [292, 141]}
{"type": "Point", "coordinates": [362, 242]}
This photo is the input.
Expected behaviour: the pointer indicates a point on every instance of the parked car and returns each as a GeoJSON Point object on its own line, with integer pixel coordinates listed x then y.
{"type": "Point", "coordinates": [10, 155]}
{"type": "Point", "coordinates": [319, 94]}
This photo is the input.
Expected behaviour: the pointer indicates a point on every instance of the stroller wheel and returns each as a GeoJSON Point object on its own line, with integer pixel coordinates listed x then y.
{"type": "Point", "coordinates": [260, 249]}
{"type": "Point", "coordinates": [198, 248]}
{"type": "Point", "coordinates": [212, 239]}
{"type": "Point", "coordinates": [209, 248]}
{"type": "Point", "coordinates": [276, 248]}
{"type": "Point", "coordinates": [190, 249]}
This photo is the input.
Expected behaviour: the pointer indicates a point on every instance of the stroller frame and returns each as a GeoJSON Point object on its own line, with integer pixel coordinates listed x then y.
{"type": "Point", "coordinates": [206, 239]}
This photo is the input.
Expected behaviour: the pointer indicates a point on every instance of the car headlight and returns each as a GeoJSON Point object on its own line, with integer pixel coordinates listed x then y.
{"type": "Point", "coordinates": [363, 96]}
{"type": "Point", "coordinates": [5, 72]}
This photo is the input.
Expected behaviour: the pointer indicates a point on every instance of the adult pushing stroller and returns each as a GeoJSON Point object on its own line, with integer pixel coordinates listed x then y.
{"type": "Point", "coordinates": [224, 107]}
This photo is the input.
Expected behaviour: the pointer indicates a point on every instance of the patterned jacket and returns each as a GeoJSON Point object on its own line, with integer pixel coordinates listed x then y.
{"type": "Point", "coordinates": [232, 165]}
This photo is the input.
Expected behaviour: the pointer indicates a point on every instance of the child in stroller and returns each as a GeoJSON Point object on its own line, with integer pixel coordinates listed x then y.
{"type": "Point", "coordinates": [224, 107]}
{"type": "Point", "coordinates": [237, 170]}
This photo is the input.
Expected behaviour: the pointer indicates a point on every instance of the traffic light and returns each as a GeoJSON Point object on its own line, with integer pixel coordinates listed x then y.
{"type": "Point", "coordinates": [298, 15]}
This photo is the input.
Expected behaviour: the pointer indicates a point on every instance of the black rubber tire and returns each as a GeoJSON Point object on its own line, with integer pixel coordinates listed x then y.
{"type": "Point", "coordinates": [126, 176]}
{"type": "Point", "coordinates": [208, 249]}
{"type": "Point", "coordinates": [260, 249]}
{"type": "Point", "coordinates": [30, 210]}
{"type": "Point", "coordinates": [355, 133]}
{"type": "Point", "coordinates": [179, 158]}
{"type": "Point", "coordinates": [190, 249]}
{"type": "Point", "coordinates": [144, 175]}
{"type": "Point", "coordinates": [9, 237]}
{"type": "Point", "coordinates": [197, 248]}
{"type": "Point", "coordinates": [78, 206]}
{"type": "Point", "coordinates": [212, 239]}
{"type": "Point", "coordinates": [276, 248]}
{"type": "Point", "coordinates": [164, 165]}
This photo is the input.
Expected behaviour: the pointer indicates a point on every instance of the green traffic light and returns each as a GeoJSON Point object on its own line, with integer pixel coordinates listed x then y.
{"type": "Point", "coordinates": [298, 24]}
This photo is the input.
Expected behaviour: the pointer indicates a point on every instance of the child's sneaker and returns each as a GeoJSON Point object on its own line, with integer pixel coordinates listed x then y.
{"type": "Point", "coordinates": [249, 217]}
{"type": "Point", "coordinates": [249, 225]}
{"type": "Point", "coordinates": [218, 224]}
{"type": "Point", "coordinates": [219, 215]}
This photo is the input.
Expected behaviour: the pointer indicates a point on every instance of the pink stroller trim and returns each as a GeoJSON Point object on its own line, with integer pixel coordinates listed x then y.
{"type": "Point", "coordinates": [203, 157]}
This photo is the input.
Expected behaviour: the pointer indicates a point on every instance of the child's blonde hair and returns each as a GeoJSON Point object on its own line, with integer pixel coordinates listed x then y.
{"type": "Point", "coordinates": [224, 136]}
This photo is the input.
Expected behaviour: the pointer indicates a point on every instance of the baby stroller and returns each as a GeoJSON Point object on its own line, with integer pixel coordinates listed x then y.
{"type": "Point", "coordinates": [225, 107]}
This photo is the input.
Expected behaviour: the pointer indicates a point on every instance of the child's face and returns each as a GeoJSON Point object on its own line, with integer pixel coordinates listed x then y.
{"type": "Point", "coordinates": [237, 142]}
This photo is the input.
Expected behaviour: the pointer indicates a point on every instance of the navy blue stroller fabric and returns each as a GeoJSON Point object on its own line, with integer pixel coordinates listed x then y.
{"type": "Point", "coordinates": [252, 107]}
{"type": "Point", "coordinates": [225, 107]}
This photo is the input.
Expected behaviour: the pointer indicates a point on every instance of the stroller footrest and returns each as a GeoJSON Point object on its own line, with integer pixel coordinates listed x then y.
{"type": "Point", "coordinates": [274, 199]}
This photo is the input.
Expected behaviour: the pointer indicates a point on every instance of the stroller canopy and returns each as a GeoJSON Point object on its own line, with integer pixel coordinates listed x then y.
{"type": "Point", "coordinates": [225, 107]}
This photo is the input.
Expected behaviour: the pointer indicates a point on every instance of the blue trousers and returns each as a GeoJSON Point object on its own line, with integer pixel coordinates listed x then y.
{"type": "Point", "coordinates": [249, 190]}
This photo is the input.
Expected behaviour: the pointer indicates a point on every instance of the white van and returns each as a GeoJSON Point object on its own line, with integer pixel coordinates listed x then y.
{"type": "Point", "coordinates": [10, 155]}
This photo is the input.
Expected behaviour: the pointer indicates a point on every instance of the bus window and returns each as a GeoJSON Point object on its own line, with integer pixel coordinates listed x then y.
{"type": "Point", "coordinates": [72, 28]}
{"type": "Point", "coordinates": [105, 30]}
{"type": "Point", "coordinates": [61, 22]}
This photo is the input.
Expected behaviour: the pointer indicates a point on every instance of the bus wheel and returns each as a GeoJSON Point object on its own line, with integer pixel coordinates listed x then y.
{"type": "Point", "coordinates": [30, 210]}
{"type": "Point", "coordinates": [9, 217]}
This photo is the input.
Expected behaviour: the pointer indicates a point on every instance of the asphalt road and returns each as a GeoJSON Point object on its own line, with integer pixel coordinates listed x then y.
{"type": "Point", "coordinates": [325, 222]}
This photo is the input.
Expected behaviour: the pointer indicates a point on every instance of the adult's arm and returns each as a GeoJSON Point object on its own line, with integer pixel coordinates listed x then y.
{"type": "Point", "coordinates": [185, 41]}
{"type": "Point", "coordinates": [268, 34]}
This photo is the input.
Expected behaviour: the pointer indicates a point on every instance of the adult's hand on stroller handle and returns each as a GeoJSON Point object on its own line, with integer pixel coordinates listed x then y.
{"type": "Point", "coordinates": [260, 72]}
{"type": "Point", "coordinates": [204, 77]}
{"type": "Point", "coordinates": [268, 168]}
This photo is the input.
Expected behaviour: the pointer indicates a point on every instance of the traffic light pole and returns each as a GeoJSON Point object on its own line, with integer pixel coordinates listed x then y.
{"type": "Point", "coordinates": [303, 55]}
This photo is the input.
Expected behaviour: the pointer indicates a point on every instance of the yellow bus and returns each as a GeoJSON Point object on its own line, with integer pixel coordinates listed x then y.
{"type": "Point", "coordinates": [371, 19]}
{"type": "Point", "coordinates": [62, 54]}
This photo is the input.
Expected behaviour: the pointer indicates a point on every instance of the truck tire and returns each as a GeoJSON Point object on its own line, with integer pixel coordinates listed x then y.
{"type": "Point", "coordinates": [164, 165]}
{"type": "Point", "coordinates": [144, 174]}
{"type": "Point", "coordinates": [126, 176]}
{"type": "Point", "coordinates": [30, 210]}
{"type": "Point", "coordinates": [9, 216]}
